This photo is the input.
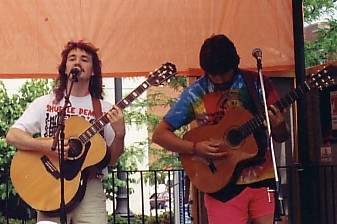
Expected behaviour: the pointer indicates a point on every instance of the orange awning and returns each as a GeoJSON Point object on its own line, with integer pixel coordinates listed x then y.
{"type": "Point", "coordinates": [137, 36]}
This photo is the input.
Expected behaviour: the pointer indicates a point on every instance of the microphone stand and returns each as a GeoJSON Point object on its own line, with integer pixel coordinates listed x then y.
{"type": "Point", "coordinates": [277, 195]}
{"type": "Point", "coordinates": [60, 137]}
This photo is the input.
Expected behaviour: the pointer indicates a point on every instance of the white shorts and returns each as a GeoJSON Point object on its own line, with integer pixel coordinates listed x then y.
{"type": "Point", "coordinates": [92, 208]}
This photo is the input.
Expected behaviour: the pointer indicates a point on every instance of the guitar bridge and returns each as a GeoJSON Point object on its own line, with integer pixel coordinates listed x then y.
{"type": "Point", "coordinates": [50, 167]}
{"type": "Point", "coordinates": [211, 166]}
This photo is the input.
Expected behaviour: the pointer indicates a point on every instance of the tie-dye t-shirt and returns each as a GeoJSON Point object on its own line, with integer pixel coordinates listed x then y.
{"type": "Point", "coordinates": [207, 103]}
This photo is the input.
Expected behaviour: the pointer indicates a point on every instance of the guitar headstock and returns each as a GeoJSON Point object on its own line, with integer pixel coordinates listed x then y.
{"type": "Point", "coordinates": [323, 78]}
{"type": "Point", "coordinates": [160, 75]}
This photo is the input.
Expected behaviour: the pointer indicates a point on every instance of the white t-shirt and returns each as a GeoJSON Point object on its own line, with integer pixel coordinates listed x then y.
{"type": "Point", "coordinates": [41, 116]}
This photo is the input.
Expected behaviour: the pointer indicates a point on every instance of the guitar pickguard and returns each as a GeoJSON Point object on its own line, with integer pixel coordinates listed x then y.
{"type": "Point", "coordinates": [73, 167]}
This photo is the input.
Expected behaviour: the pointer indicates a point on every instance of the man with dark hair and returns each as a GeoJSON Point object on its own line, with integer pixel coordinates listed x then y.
{"type": "Point", "coordinates": [207, 101]}
{"type": "Point", "coordinates": [42, 115]}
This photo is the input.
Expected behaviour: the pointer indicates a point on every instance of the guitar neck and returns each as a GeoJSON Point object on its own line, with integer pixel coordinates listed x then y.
{"type": "Point", "coordinates": [103, 120]}
{"type": "Point", "coordinates": [257, 121]}
{"type": "Point", "coordinates": [156, 78]}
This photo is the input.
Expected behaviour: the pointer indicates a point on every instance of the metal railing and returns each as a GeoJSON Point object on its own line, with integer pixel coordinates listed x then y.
{"type": "Point", "coordinates": [142, 202]}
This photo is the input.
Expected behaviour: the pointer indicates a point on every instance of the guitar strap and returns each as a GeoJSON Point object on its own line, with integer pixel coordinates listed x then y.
{"type": "Point", "coordinates": [250, 77]}
{"type": "Point", "coordinates": [96, 104]}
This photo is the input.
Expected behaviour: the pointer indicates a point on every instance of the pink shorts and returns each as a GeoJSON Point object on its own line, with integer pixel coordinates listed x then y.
{"type": "Point", "coordinates": [250, 203]}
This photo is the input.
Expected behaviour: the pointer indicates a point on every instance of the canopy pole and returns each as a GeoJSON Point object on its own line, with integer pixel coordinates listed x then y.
{"type": "Point", "coordinates": [305, 182]}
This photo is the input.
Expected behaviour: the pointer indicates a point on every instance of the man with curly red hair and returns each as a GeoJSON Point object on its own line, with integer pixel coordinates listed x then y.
{"type": "Point", "coordinates": [42, 115]}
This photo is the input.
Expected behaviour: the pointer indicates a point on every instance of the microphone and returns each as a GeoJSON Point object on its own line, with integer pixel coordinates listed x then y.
{"type": "Point", "coordinates": [257, 54]}
{"type": "Point", "coordinates": [76, 71]}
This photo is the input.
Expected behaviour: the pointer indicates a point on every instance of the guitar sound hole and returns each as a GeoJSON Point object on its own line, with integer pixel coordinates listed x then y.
{"type": "Point", "coordinates": [75, 148]}
{"type": "Point", "coordinates": [234, 137]}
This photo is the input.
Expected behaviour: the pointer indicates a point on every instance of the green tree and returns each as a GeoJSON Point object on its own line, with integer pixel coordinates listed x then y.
{"type": "Point", "coordinates": [323, 49]}
{"type": "Point", "coordinates": [164, 160]}
{"type": "Point", "coordinates": [12, 108]}
{"type": "Point", "coordinates": [314, 9]}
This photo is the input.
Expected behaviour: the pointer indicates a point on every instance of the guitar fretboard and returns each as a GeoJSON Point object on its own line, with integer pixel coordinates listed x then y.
{"type": "Point", "coordinates": [103, 120]}
{"type": "Point", "coordinates": [250, 126]}
{"type": "Point", "coordinates": [156, 78]}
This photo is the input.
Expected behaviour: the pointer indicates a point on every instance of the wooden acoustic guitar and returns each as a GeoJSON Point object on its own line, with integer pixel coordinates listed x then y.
{"type": "Point", "coordinates": [235, 133]}
{"type": "Point", "coordinates": [36, 176]}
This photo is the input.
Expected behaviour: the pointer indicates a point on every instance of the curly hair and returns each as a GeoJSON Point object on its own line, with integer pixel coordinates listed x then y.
{"type": "Point", "coordinates": [95, 85]}
{"type": "Point", "coordinates": [218, 55]}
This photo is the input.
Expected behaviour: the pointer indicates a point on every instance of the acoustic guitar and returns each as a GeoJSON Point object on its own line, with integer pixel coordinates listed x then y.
{"type": "Point", "coordinates": [36, 175]}
{"type": "Point", "coordinates": [235, 133]}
